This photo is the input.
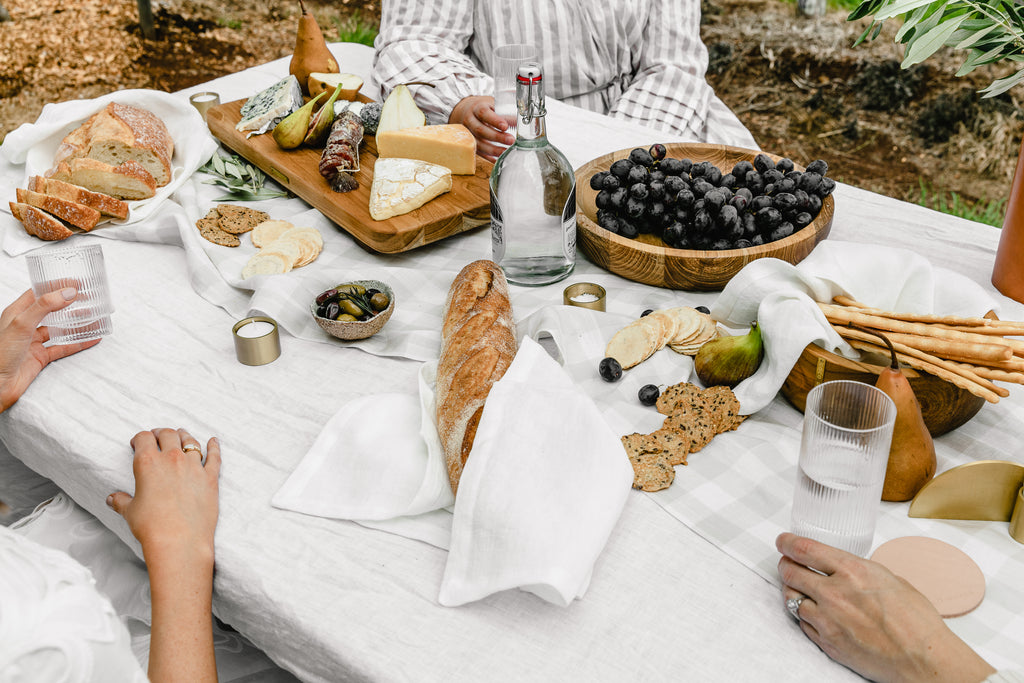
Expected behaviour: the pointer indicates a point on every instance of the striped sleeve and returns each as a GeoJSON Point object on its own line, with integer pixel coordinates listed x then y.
{"type": "Point", "coordinates": [427, 40]}
{"type": "Point", "coordinates": [669, 91]}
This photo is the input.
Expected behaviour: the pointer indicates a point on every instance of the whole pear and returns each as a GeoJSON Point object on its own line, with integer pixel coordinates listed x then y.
{"type": "Point", "coordinates": [311, 54]}
{"type": "Point", "coordinates": [727, 361]}
{"type": "Point", "coordinates": [291, 130]}
{"type": "Point", "coordinates": [912, 454]}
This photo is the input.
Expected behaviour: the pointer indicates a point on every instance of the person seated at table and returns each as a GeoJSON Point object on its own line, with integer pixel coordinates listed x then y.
{"type": "Point", "coordinates": [53, 618]}
{"type": "Point", "coordinates": [642, 61]}
{"type": "Point", "coordinates": [865, 617]}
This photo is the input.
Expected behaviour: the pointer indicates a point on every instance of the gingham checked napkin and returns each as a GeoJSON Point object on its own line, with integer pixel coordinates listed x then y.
{"type": "Point", "coordinates": [543, 487]}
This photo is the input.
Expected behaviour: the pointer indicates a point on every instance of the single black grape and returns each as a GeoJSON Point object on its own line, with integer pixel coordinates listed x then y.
{"type": "Point", "coordinates": [728, 180]}
{"type": "Point", "coordinates": [637, 174]}
{"type": "Point", "coordinates": [742, 243]}
{"type": "Point", "coordinates": [784, 165]}
{"type": "Point", "coordinates": [768, 218]}
{"type": "Point", "coordinates": [603, 200]}
{"type": "Point", "coordinates": [674, 234]}
{"type": "Point", "coordinates": [683, 215]}
{"type": "Point", "coordinates": [685, 198]}
{"type": "Point", "coordinates": [686, 165]}
{"type": "Point", "coordinates": [826, 187]}
{"type": "Point", "coordinates": [703, 309]}
{"type": "Point", "coordinates": [648, 394]}
{"type": "Point", "coordinates": [803, 200]}
{"type": "Point", "coordinates": [701, 222]}
{"type": "Point", "coordinates": [754, 182]}
{"type": "Point", "coordinates": [784, 202]}
{"type": "Point", "coordinates": [620, 169]}
{"type": "Point", "coordinates": [741, 169]}
{"type": "Point", "coordinates": [647, 312]}
{"type": "Point", "coordinates": [721, 245]}
{"type": "Point", "coordinates": [656, 190]}
{"type": "Point", "coordinates": [671, 167]}
{"type": "Point", "coordinates": [757, 240]}
{"type": "Point", "coordinates": [611, 224]}
{"type": "Point", "coordinates": [739, 202]}
{"type": "Point", "coordinates": [760, 202]}
{"type": "Point", "coordinates": [729, 220]}
{"type": "Point", "coordinates": [714, 201]}
{"type": "Point", "coordinates": [635, 207]}
{"type": "Point", "coordinates": [618, 198]}
{"type": "Point", "coordinates": [772, 175]}
{"type": "Point", "coordinates": [815, 204]}
{"type": "Point", "coordinates": [610, 369]}
{"type": "Point", "coordinates": [809, 182]}
{"type": "Point", "coordinates": [657, 151]}
{"type": "Point", "coordinates": [638, 191]}
{"type": "Point", "coordinates": [802, 219]}
{"type": "Point", "coordinates": [782, 231]}
{"type": "Point", "coordinates": [749, 224]}
{"type": "Point", "coordinates": [745, 193]}
{"type": "Point", "coordinates": [628, 229]}
{"type": "Point", "coordinates": [656, 176]}
{"type": "Point", "coordinates": [642, 157]}
{"type": "Point", "coordinates": [762, 162]}
{"type": "Point", "coordinates": [785, 185]}
{"type": "Point", "coordinates": [612, 182]}
{"type": "Point", "coordinates": [713, 175]}
{"type": "Point", "coordinates": [673, 184]}
{"type": "Point", "coordinates": [701, 187]}
{"type": "Point", "coordinates": [819, 166]}
{"type": "Point", "coordinates": [597, 180]}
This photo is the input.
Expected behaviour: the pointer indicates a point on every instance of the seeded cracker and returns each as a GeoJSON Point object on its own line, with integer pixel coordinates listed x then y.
{"type": "Point", "coordinates": [652, 471]}
{"type": "Point", "coordinates": [211, 232]}
{"type": "Point", "coordinates": [677, 393]}
{"type": "Point", "coordinates": [239, 219]}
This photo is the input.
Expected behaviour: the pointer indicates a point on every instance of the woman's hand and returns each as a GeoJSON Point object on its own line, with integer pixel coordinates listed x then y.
{"type": "Point", "coordinates": [490, 130]}
{"type": "Point", "coordinates": [22, 354]}
{"type": "Point", "coordinates": [862, 615]}
{"type": "Point", "coordinates": [175, 507]}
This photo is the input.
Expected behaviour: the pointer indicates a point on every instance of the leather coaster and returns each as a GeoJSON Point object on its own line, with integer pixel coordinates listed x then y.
{"type": "Point", "coordinates": [944, 574]}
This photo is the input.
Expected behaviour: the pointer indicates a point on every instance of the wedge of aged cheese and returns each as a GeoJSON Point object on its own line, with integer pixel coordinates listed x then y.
{"type": "Point", "coordinates": [450, 145]}
{"type": "Point", "coordinates": [263, 110]}
{"type": "Point", "coordinates": [401, 185]}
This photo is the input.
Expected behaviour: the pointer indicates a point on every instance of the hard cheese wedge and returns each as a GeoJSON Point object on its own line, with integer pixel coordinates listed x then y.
{"type": "Point", "coordinates": [401, 185]}
{"type": "Point", "coordinates": [450, 145]}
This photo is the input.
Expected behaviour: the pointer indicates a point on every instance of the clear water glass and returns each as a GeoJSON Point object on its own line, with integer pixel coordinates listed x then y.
{"type": "Point", "coordinates": [81, 267]}
{"type": "Point", "coordinates": [507, 59]}
{"type": "Point", "coordinates": [844, 450]}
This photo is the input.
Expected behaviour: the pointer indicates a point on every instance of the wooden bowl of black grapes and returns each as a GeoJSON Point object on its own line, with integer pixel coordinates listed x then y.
{"type": "Point", "coordinates": [691, 215]}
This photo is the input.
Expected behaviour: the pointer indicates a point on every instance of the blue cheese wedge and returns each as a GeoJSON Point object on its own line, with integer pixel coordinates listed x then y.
{"type": "Point", "coordinates": [401, 185]}
{"type": "Point", "coordinates": [266, 108]}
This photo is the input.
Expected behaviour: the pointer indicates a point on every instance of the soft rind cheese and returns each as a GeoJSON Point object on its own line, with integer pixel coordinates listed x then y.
{"type": "Point", "coordinates": [402, 185]}
{"type": "Point", "coordinates": [265, 109]}
{"type": "Point", "coordinates": [450, 145]}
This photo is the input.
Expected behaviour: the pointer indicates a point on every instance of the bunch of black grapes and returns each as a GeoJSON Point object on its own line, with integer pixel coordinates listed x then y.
{"type": "Point", "coordinates": [695, 206]}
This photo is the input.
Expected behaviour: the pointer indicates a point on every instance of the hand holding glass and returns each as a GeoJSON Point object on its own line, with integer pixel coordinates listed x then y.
{"type": "Point", "coordinates": [843, 454]}
{"type": "Point", "coordinates": [88, 316]}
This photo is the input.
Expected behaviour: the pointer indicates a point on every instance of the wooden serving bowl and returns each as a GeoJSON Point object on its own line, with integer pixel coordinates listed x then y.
{"type": "Point", "coordinates": [944, 405]}
{"type": "Point", "coordinates": [648, 260]}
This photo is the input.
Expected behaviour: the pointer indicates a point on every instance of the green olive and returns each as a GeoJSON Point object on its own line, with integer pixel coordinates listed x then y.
{"type": "Point", "coordinates": [350, 307]}
{"type": "Point", "coordinates": [347, 318]}
{"type": "Point", "coordinates": [379, 301]}
{"type": "Point", "coordinates": [351, 289]}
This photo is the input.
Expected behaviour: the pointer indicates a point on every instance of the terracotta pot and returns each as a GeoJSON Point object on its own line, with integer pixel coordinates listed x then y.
{"type": "Point", "coordinates": [1008, 271]}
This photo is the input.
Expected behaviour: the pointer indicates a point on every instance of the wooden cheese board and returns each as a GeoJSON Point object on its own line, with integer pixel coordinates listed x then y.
{"type": "Point", "coordinates": [465, 207]}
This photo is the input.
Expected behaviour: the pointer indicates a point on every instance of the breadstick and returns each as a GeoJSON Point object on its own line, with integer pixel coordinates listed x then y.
{"type": "Point", "coordinates": [913, 317]}
{"type": "Point", "coordinates": [996, 373]}
{"type": "Point", "coordinates": [839, 314]}
{"type": "Point", "coordinates": [965, 379]}
{"type": "Point", "coordinates": [945, 348]}
{"type": "Point", "coordinates": [1011, 330]}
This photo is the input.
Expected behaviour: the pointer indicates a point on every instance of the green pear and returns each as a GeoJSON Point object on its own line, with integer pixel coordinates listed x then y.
{"type": "Point", "coordinates": [291, 130]}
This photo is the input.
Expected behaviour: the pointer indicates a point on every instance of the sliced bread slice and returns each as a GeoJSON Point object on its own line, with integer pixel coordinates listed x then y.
{"type": "Point", "coordinates": [104, 203]}
{"type": "Point", "coordinates": [39, 223]}
{"type": "Point", "coordinates": [126, 181]}
{"type": "Point", "coordinates": [78, 215]}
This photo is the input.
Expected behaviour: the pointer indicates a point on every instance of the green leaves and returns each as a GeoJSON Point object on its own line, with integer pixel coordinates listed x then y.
{"type": "Point", "coordinates": [242, 181]}
{"type": "Point", "coordinates": [989, 31]}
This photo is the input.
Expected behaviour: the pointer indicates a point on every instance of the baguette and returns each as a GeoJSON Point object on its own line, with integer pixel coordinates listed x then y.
{"type": "Point", "coordinates": [104, 203]}
{"type": "Point", "coordinates": [478, 342]}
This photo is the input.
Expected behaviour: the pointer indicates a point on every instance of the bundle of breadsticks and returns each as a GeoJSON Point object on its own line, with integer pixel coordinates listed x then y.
{"type": "Point", "coordinates": [968, 352]}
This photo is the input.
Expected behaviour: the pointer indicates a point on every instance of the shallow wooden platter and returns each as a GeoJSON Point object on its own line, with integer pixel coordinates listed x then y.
{"type": "Point", "coordinates": [944, 406]}
{"type": "Point", "coordinates": [465, 207]}
{"type": "Point", "coordinates": [648, 260]}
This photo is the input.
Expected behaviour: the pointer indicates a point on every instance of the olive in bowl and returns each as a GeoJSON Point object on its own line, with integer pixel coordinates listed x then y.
{"type": "Point", "coordinates": [353, 310]}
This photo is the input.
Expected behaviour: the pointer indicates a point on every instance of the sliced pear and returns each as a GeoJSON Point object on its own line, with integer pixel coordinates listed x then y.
{"type": "Point", "coordinates": [400, 111]}
{"type": "Point", "coordinates": [326, 82]}
{"type": "Point", "coordinates": [291, 130]}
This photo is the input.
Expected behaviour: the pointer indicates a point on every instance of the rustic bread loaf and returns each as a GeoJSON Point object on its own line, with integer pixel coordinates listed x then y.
{"type": "Point", "coordinates": [104, 203]}
{"type": "Point", "coordinates": [121, 133]}
{"type": "Point", "coordinates": [127, 181]}
{"type": "Point", "coordinates": [39, 223]}
{"type": "Point", "coordinates": [78, 215]}
{"type": "Point", "coordinates": [478, 342]}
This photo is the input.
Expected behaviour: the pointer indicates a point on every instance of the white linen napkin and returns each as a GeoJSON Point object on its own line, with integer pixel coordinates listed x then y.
{"type": "Point", "coordinates": [782, 299]}
{"type": "Point", "coordinates": [550, 476]}
{"type": "Point", "coordinates": [35, 144]}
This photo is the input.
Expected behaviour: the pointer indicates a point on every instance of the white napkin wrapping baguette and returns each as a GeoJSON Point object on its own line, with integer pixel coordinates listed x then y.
{"type": "Point", "coordinates": [35, 144]}
{"type": "Point", "coordinates": [782, 299]}
{"type": "Point", "coordinates": [549, 478]}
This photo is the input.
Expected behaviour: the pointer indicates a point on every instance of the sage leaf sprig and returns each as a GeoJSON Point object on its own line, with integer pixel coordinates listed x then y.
{"type": "Point", "coordinates": [989, 31]}
{"type": "Point", "coordinates": [241, 180]}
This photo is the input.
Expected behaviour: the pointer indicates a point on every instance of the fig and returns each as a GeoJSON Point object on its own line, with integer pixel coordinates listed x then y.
{"type": "Point", "coordinates": [727, 361]}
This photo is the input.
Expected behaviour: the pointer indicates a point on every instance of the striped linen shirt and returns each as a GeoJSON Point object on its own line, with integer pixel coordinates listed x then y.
{"type": "Point", "coordinates": [633, 59]}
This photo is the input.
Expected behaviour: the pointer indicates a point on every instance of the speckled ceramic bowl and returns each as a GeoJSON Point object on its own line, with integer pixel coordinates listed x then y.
{"type": "Point", "coordinates": [355, 329]}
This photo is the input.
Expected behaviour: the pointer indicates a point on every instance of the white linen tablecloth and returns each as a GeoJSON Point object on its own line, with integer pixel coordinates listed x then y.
{"type": "Point", "coordinates": [331, 600]}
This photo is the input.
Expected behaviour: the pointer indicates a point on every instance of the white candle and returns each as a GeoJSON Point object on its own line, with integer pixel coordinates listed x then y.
{"type": "Point", "coordinates": [257, 328]}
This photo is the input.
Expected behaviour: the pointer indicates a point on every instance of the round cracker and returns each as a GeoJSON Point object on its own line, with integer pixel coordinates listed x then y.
{"type": "Point", "coordinates": [311, 233]}
{"type": "Point", "coordinates": [688, 323]}
{"type": "Point", "coordinates": [668, 321]}
{"type": "Point", "coordinates": [268, 231]}
{"type": "Point", "coordinates": [286, 248]}
{"type": "Point", "coordinates": [265, 264]}
{"type": "Point", "coordinates": [635, 342]}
